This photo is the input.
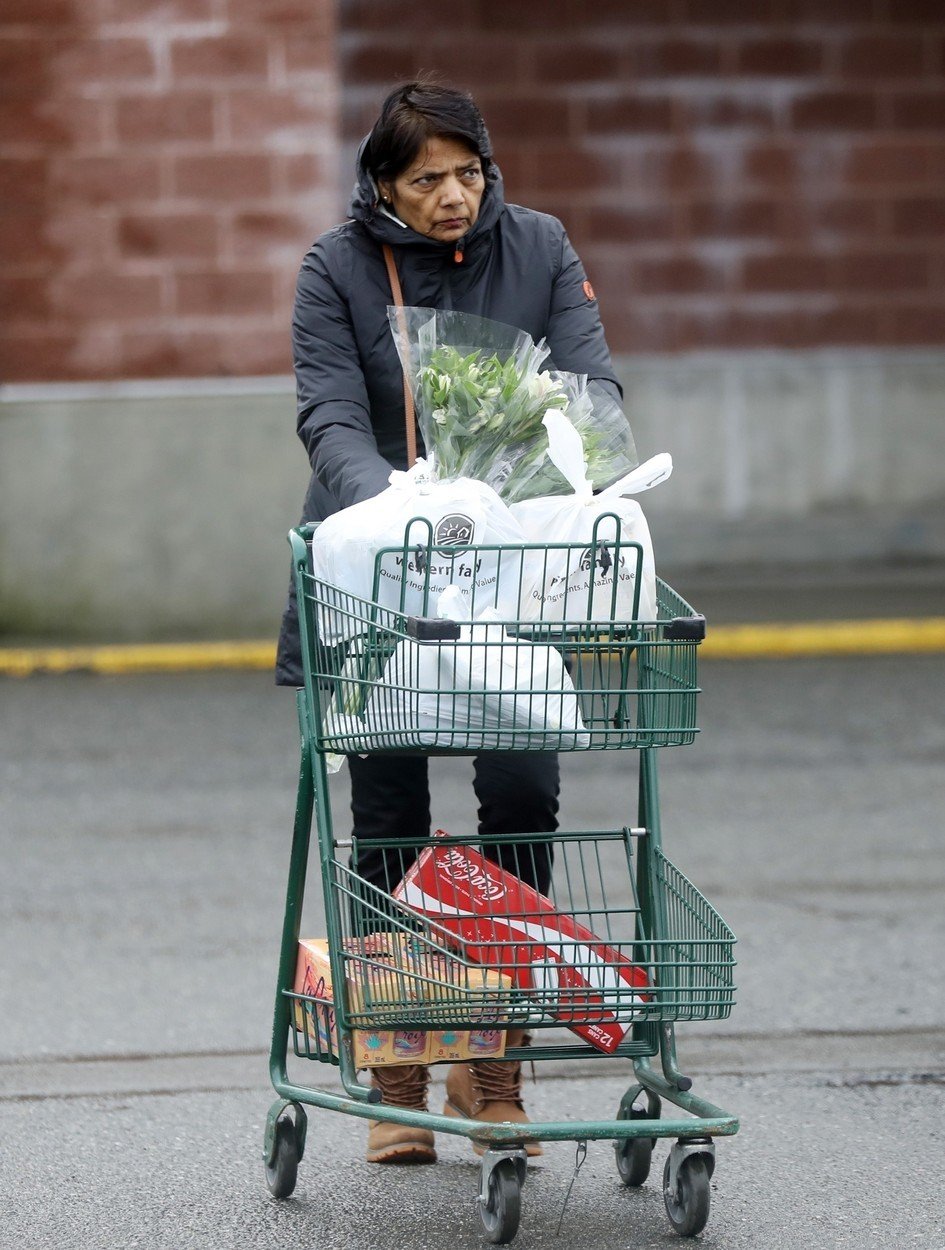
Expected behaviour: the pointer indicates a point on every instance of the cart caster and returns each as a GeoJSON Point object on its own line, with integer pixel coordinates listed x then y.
{"type": "Point", "coordinates": [500, 1195]}
{"type": "Point", "coordinates": [285, 1138]}
{"type": "Point", "coordinates": [635, 1154]}
{"type": "Point", "coordinates": [686, 1193]}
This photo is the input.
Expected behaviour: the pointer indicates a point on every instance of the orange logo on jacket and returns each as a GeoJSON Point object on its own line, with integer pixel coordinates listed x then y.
{"type": "Point", "coordinates": [589, 290]}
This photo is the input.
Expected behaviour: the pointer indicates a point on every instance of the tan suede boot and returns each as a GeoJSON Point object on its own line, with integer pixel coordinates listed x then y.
{"type": "Point", "coordinates": [490, 1091]}
{"type": "Point", "coordinates": [402, 1085]}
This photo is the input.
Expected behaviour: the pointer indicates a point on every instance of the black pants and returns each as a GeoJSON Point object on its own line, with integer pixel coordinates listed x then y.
{"type": "Point", "coordinates": [517, 792]}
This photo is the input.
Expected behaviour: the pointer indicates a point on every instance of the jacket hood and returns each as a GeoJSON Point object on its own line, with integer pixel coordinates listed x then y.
{"type": "Point", "coordinates": [366, 207]}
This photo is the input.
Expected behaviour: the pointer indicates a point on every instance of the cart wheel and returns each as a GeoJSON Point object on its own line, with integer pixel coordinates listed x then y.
{"type": "Point", "coordinates": [634, 1154]}
{"type": "Point", "coordinates": [501, 1212]}
{"type": "Point", "coordinates": [283, 1171]}
{"type": "Point", "coordinates": [688, 1211]}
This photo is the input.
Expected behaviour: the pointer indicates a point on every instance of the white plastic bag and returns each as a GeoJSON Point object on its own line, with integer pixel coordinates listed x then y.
{"type": "Point", "coordinates": [486, 691]}
{"type": "Point", "coordinates": [446, 514]}
{"type": "Point", "coordinates": [567, 587]}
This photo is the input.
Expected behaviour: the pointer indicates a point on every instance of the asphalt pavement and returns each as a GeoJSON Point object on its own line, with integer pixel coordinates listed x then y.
{"type": "Point", "coordinates": [145, 831]}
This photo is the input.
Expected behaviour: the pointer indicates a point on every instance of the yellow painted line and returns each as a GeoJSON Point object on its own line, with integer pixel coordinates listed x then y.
{"type": "Point", "coordinates": [168, 657]}
{"type": "Point", "coordinates": [900, 636]}
{"type": "Point", "coordinates": [723, 642]}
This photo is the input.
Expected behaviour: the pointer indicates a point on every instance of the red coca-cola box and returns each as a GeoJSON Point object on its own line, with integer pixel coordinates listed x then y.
{"type": "Point", "coordinates": [500, 921]}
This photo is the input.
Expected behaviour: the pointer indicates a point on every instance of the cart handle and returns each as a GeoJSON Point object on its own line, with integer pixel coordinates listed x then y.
{"type": "Point", "coordinates": [685, 628]}
{"type": "Point", "coordinates": [432, 629]}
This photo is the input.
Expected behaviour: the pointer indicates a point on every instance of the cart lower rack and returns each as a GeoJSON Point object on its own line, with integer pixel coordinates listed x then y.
{"type": "Point", "coordinates": [621, 949]}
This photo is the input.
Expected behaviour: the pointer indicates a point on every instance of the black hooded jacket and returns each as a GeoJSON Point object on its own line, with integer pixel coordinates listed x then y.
{"type": "Point", "coordinates": [517, 266]}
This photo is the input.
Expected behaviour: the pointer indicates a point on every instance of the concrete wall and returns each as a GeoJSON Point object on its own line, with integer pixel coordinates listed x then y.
{"type": "Point", "coordinates": [159, 510]}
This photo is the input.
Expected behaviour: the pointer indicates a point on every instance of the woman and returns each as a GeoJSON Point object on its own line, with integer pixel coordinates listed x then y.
{"type": "Point", "coordinates": [428, 187]}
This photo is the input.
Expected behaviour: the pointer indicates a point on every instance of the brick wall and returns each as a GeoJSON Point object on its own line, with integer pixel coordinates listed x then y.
{"type": "Point", "coordinates": [164, 164]}
{"type": "Point", "coordinates": [734, 174]}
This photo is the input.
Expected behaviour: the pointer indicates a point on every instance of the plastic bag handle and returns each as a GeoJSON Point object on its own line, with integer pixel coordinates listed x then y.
{"type": "Point", "coordinates": [409, 414]}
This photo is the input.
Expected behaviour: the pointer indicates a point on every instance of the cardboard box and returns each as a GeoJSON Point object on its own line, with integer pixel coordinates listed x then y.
{"type": "Point", "coordinates": [507, 924]}
{"type": "Point", "coordinates": [371, 1047]}
{"type": "Point", "coordinates": [389, 968]}
{"type": "Point", "coordinates": [460, 1045]}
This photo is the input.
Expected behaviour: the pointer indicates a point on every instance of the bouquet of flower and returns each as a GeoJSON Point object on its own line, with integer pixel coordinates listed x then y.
{"type": "Point", "coordinates": [481, 394]}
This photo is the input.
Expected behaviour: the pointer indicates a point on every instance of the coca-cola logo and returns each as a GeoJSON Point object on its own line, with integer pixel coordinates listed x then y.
{"type": "Point", "coordinates": [459, 867]}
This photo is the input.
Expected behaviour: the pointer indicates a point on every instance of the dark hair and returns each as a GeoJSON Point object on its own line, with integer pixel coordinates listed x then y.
{"type": "Point", "coordinates": [416, 112]}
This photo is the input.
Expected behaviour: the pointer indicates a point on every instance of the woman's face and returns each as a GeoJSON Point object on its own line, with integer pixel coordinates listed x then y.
{"type": "Point", "coordinates": [439, 194]}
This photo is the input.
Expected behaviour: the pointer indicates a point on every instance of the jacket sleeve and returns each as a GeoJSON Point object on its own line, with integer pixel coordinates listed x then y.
{"type": "Point", "coordinates": [334, 421]}
{"type": "Point", "coordinates": [575, 334]}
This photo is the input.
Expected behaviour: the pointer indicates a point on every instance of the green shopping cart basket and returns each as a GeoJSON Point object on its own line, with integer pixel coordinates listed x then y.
{"type": "Point", "coordinates": [621, 948]}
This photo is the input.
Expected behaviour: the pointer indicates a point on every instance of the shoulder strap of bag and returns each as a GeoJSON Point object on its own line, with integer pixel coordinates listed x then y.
{"type": "Point", "coordinates": [398, 295]}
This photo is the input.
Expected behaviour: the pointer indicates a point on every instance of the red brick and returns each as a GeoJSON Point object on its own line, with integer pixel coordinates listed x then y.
{"type": "Point", "coordinates": [274, 13]}
{"type": "Point", "coordinates": [636, 114]}
{"type": "Point", "coordinates": [255, 235]}
{"type": "Point", "coordinates": [917, 110]}
{"type": "Point", "coordinates": [167, 236]}
{"type": "Point", "coordinates": [846, 325]}
{"type": "Point", "coordinates": [165, 352]}
{"type": "Point", "coordinates": [882, 272]}
{"type": "Point", "coordinates": [304, 52]}
{"type": "Point", "coordinates": [770, 164]}
{"type": "Point", "coordinates": [23, 182]}
{"type": "Point", "coordinates": [287, 117]}
{"type": "Point", "coordinates": [674, 275]}
{"type": "Point", "coordinates": [918, 323]}
{"type": "Point", "coordinates": [557, 167]}
{"type": "Point", "coordinates": [25, 122]}
{"type": "Point", "coordinates": [785, 271]}
{"type": "Point", "coordinates": [156, 12]}
{"type": "Point", "coordinates": [673, 57]}
{"type": "Point", "coordinates": [392, 15]}
{"type": "Point", "coordinates": [103, 179]}
{"type": "Point", "coordinates": [22, 298]}
{"type": "Point", "coordinates": [574, 61]}
{"type": "Point", "coordinates": [779, 57]}
{"type": "Point", "coordinates": [724, 12]}
{"type": "Point", "coordinates": [734, 219]}
{"type": "Point", "coordinates": [180, 117]}
{"type": "Point", "coordinates": [882, 56]}
{"type": "Point", "coordinates": [721, 108]}
{"type": "Point", "coordinates": [103, 60]}
{"type": "Point", "coordinates": [223, 177]}
{"type": "Point", "coordinates": [86, 234]}
{"type": "Point", "coordinates": [922, 12]}
{"type": "Point", "coordinates": [524, 118]}
{"type": "Point", "coordinates": [662, 171]}
{"type": "Point", "coordinates": [224, 293]}
{"type": "Point", "coordinates": [615, 16]}
{"type": "Point", "coordinates": [222, 57]}
{"type": "Point", "coordinates": [56, 13]}
{"type": "Point", "coordinates": [627, 223]}
{"type": "Point", "coordinates": [528, 16]}
{"type": "Point", "coordinates": [830, 221]}
{"type": "Point", "coordinates": [889, 162]}
{"type": "Point", "coordinates": [834, 110]}
{"type": "Point", "coordinates": [106, 296]}
{"type": "Point", "coordinates": [828, 12]}
{"type": "Point", "coordinates": [267, 349]}
{"type": "Point", "coordinates": [299, 173]}
{"type": "Point", "coordinates": [44, 124]}
{"type": "Point", "coordinates": [23, 65]}
{"type": "Point", "coordinates": [919, 216]}
{"type": "Point", "coordinates": [25, 245]}
{"type": "Point", "coordinates": [39, 354]}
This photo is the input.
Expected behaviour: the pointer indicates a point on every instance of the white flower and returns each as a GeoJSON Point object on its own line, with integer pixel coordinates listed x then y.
{"type": "Point", "coordinates": [439, 416]}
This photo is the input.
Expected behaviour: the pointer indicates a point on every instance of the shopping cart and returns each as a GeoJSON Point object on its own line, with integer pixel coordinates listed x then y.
{"type": "Point", "coordinates": [385, 674]}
